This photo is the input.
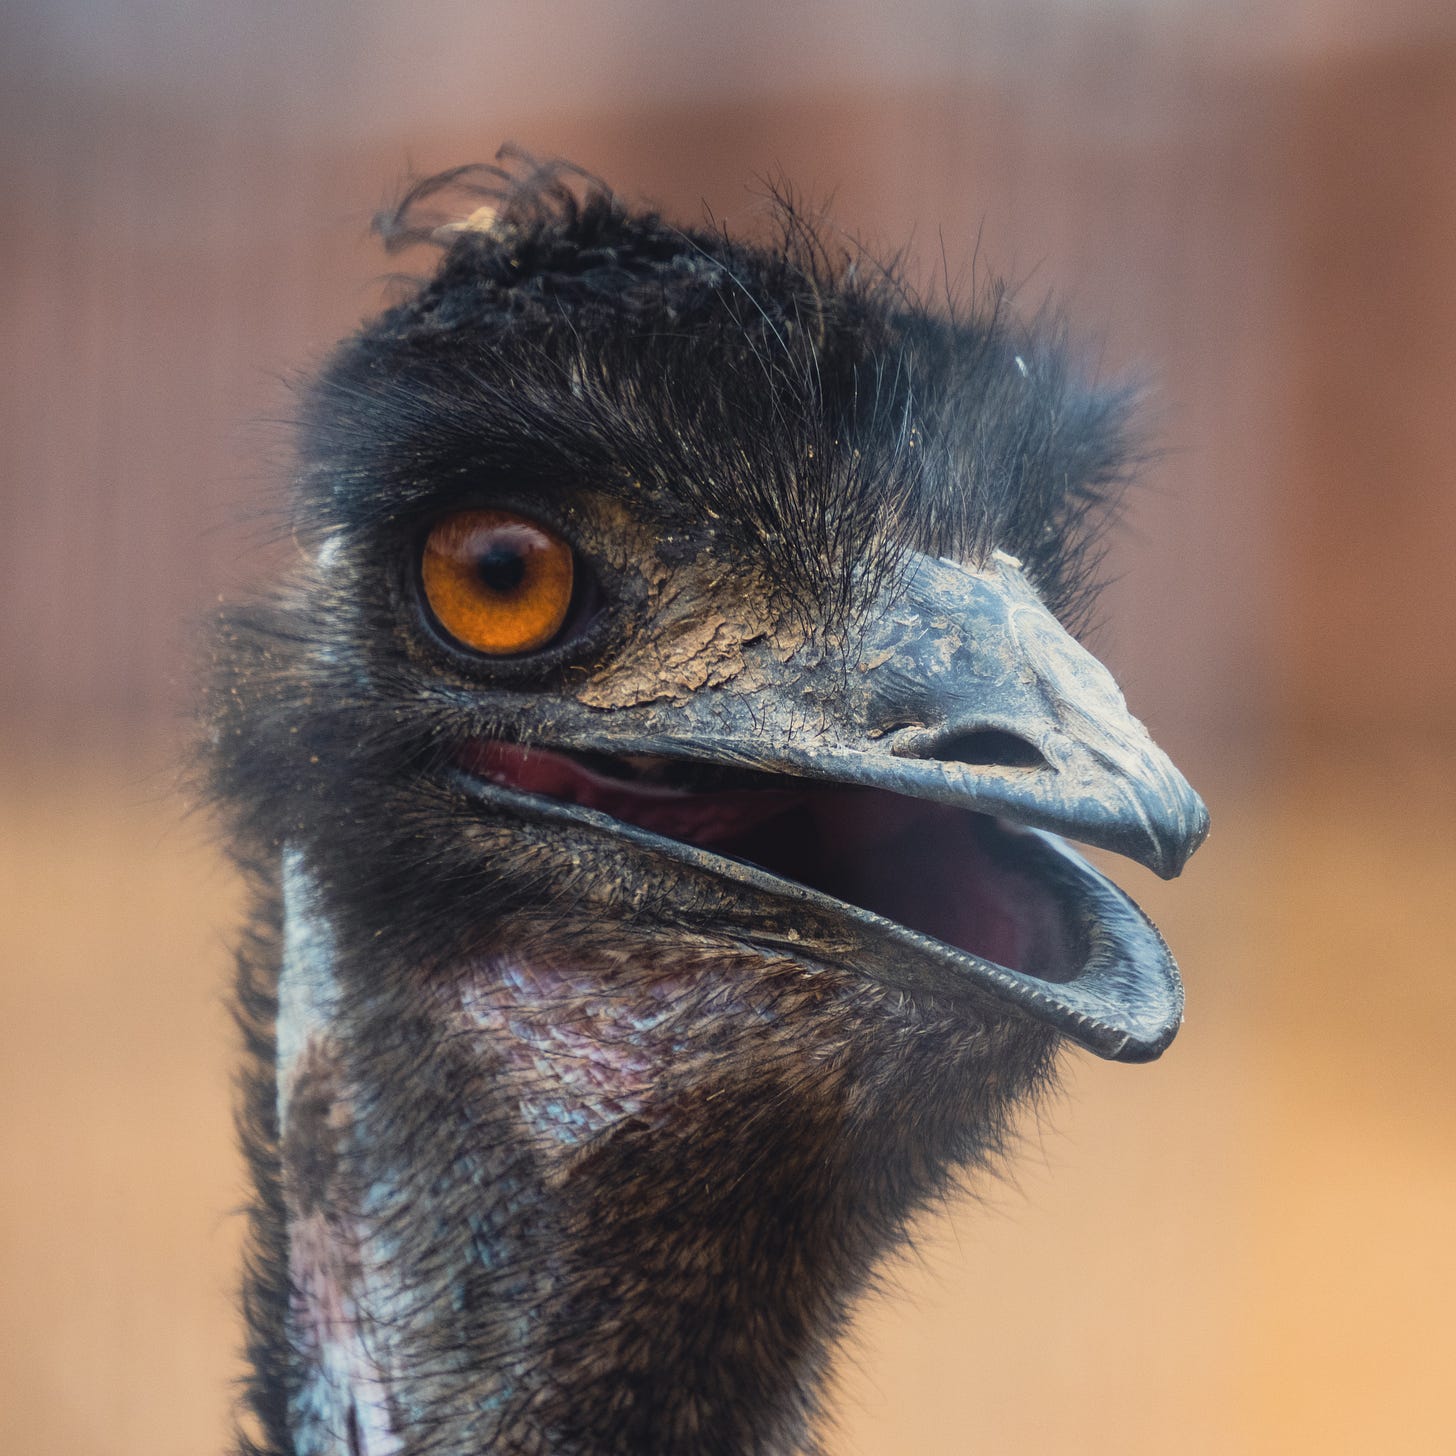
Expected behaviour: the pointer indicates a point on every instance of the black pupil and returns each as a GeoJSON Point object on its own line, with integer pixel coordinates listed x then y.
{"type": "Point", "coordinates": [501, 568]}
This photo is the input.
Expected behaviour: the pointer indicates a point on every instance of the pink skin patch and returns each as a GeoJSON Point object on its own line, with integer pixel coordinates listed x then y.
{"type": "Point", "coordinates": [343, 1403]}
{"type": "Point", "coordinates": [580, 1056]}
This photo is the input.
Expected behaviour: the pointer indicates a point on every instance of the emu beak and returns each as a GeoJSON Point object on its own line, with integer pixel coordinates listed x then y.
{"type": "Point", "coordinates": [978, 696]}
{"type": "Point", "coordinates": [962, 691]}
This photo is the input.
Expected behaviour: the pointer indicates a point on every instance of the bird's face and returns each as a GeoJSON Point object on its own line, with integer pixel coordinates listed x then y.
{"type": "Point", "coordinates": [873, 789]}
{"type": "Point", "coordinates": [638, 606]}
{"type": "Point", "coordinates": [670, 742]}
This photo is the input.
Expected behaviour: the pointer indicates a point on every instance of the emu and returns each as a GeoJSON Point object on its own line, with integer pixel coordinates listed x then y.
{"type": "Point", "coordinates": [651, 782]}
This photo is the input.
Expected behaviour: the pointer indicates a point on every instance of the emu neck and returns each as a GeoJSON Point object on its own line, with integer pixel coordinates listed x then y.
{"type": "Point", "coordinates": [612, 1205]}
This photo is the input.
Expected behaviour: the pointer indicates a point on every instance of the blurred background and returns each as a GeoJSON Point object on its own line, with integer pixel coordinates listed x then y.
{"type": "Point", "coordinates": [1244, 1248]}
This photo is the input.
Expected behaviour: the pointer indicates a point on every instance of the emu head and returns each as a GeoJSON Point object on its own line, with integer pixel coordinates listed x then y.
{"type": "Point", "coordinates": [653, 781]}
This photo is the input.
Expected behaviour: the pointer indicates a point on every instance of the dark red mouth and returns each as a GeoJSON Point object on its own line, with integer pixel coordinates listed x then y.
{"type": "Point", "coordinates": [945, 872]}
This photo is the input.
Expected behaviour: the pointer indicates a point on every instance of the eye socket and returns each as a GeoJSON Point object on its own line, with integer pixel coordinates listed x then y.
{"type": "Point", "coordinates": [498, 582]}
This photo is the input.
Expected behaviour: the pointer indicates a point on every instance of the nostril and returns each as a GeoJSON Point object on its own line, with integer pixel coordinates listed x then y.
{"type": "Point", "coordinates": [988, 748]}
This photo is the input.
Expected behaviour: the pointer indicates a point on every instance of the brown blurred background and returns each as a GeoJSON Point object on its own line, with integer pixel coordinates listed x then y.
{"type": "Point", "coordinates": [1245, 1248]}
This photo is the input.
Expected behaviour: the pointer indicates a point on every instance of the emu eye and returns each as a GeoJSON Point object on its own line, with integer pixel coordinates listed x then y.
{"type": "Point", "coordinates": [497, 582]}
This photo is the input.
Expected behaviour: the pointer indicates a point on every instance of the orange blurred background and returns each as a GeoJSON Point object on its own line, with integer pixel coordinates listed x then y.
{"type": "Point", "coordinates": [1244, 1248]}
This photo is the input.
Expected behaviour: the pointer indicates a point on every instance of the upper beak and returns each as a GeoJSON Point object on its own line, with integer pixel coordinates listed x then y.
{"type": "Point", "coordinates": [1006, 712]}
{"type": "Point", "coordinates": [964, 689]}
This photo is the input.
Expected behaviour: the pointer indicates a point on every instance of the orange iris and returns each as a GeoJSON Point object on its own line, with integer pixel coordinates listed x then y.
{"type": "Point", "coordinates": [496, 581]}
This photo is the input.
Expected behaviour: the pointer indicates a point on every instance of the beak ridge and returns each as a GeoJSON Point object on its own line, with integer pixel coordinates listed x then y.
{"type": "Point", "coordinates": [1017, 717]}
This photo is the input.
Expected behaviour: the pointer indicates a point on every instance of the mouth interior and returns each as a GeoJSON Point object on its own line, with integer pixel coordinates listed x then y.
{"type": "Point", "coordinates": [958, 876]}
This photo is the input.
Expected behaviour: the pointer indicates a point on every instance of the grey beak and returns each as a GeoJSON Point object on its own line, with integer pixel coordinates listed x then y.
{"type": "Point", "coordinates": [963, 688]}
{"type": "Point", "coordinates": [1007, 713]}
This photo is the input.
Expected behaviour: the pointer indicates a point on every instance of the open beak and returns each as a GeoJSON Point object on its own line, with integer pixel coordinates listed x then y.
{"type": "Point", "coordinates": [903, 796]}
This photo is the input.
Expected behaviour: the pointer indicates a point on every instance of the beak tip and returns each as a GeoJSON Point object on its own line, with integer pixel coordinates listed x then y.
{"type": "Point", "coordinates": [1181, 838]}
